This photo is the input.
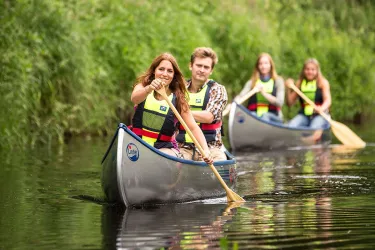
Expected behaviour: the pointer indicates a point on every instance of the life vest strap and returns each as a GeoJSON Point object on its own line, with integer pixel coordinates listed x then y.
{"type": "Point", "coordinates": [142, 132]}
{"type": "Point", "coordinates": [213, 126]}
{"type": "Point", "coordinates": [205, 127]}
{"type": "Point", "coordinates": [254, 106]}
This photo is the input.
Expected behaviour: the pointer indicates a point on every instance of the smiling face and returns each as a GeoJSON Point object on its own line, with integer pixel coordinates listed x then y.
{"type": "Point", "coordinates": [264, 66]}
{"type": "Point", "coordinates": [310, 71]}
{"type": "Point", "coordinates": [165, 72]}
{"type": "Point", "coordinates": [201, 69]}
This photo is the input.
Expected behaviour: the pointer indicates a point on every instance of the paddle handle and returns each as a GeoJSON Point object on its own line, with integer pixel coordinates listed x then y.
{"type": "Point", "coordinates": [311, 103]}
{"type": "Point", "coordinates": [241, 100]}
{"type": "Point", "coordinates": [248, 95]}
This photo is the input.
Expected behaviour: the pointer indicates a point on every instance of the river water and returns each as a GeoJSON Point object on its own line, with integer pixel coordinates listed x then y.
{"type": "Point", "coordinates": [319, 197]}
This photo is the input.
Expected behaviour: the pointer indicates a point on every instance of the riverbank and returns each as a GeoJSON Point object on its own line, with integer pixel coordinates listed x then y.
{"type": "Point", "coordinates": [67, 68]}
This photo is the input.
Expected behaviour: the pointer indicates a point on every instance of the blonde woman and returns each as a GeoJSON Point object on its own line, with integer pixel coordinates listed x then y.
{"type": "Point", "coordinates": [315, 86]}
{"type": "Point", "coordinates": [269, 99]}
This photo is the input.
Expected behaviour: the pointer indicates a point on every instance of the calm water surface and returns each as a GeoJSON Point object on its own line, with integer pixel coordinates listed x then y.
{"type": "Point", "coordinates": [314, 198]}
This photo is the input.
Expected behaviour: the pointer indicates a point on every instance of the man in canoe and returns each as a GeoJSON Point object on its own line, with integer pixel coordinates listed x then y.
{"type": "Point", "coordinates": [154, 121]}
{"type": "Point", "coordinates": [207, 99]}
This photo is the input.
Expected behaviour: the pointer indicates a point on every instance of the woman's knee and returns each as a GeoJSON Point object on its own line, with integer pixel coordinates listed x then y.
{"type": "Point", "coordinates": [318, 122]}
{"type": "Point", "coordinates": [270, 117]}
{"type": "Point", "coordinates": [298, 121]}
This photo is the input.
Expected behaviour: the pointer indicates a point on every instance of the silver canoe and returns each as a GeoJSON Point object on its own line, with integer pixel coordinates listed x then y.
{"type": "Point", "coordinates": [249, 131]}
{"type": "Point", "coordinates": [134, 173]}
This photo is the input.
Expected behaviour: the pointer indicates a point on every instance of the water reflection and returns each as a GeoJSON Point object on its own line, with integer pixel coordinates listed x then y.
{"type": "Point", "coordinates": [178, 226]}
{"type": "Point", "coordinates": [344, 155]}
{"type": "Point", "coordinates": [300, 198]}
{"type": "Point", "coordinates": [296, 172]}
{"type": "Point", "coordinates": [294, 223]}
{"type": "Point", "coordinates": [292, 192]}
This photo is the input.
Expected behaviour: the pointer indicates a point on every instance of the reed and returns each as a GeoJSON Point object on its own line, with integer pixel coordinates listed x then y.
{"type": "Point", "coordinates": [67, 67]}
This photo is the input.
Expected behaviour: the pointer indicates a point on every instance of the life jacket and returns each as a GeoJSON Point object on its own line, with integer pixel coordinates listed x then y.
{"type": "Point", "coordinates": [154, 121]}
{"type": "Point", "coordinates": [259, 103]}
{"type": "Point", "coordinates": [198, 102]}
{"type": "Point", "coordinates": [311, 90]}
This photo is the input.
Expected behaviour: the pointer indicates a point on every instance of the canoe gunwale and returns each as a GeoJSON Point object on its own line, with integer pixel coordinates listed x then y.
{"type": "Point", "coordinates": [231, 159]}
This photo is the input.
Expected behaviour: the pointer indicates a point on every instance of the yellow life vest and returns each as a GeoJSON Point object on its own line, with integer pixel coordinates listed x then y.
{"type": "Point", "coordinates": [259, 104]}
{"type": "Point", "coordinates": [197, 102]}
{"type": "Point", "coordinates": [309, 89]}
{"type": "Point", "coordinates": [155, 122]}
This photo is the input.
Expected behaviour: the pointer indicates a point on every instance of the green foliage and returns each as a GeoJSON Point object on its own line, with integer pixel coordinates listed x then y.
{"type": "Point", "coordinates": [68, 67]}
{"type": "Point", "coordinates": [345, 58]}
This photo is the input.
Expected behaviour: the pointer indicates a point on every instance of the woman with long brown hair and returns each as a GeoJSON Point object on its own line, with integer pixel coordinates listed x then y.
{"type": "Point", "coordinates": [153, 120]}
{"type": "Point", "coordinates": [315, 86]}
{"type": "Point", "coordinates": [267, 103]}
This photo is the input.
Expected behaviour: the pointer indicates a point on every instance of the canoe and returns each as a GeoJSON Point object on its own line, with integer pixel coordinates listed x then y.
{"type": "Point", "coordinates": [249, 131]}
{"type": "Point", "coordinates": [135, 173]}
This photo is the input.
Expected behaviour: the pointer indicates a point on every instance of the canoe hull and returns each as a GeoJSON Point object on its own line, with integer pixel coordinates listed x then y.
{"type": "Point", "coordinates": [248, 131]}
{"type": "Point", "coordinates": [134, 173]}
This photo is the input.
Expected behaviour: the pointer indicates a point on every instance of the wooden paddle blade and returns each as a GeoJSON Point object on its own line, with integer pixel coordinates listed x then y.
{"type": "Point", "coordinates": [346, 135]}
{"type": "Point", "coordinates": [232, 196]}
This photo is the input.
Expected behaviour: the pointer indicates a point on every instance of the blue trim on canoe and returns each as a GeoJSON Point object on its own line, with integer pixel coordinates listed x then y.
{"type": "Point", "coordinates": [198, 163]}
{"type": "Point", "coordinates": [276, 124]}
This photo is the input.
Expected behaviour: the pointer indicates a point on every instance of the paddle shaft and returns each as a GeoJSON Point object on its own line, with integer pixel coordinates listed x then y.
{"type": "Point", "coordinates": [311, 103]}
{"type": "Point", "coordinates": [183, 123]}
{"type": "Point", "coordinates": [241, 100]}
{"type": "Point", "coordinates": [248, 95]}
{"type": "Point", "coordinates": [230, 194]}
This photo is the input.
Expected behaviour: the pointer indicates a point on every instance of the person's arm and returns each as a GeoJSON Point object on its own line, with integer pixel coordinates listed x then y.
{"type": "Point", "coordinates": [326, 92]}
{"type": "Point", "coordinates": [140, 93]}
{"type": "Point", "coordinates": [280, 92]}
{"type": "Point", "coordinates": [203, 116]}
{"type": "Point", "coordinates": [215, 106]}
{"type": "Point", "coordinates": [198, 134]}
{"type": "Point", "coordinates": [244, 90]}
{"type": "Point", "coordinates": [291, 95]}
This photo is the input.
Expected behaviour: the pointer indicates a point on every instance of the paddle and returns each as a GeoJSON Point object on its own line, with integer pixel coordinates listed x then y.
{"type": "Point", "coordinates": [231, 196]}
{"type": "Point", "coordinates": [241, 100]}
{"type": "Point", "coordinates": [342, 132]}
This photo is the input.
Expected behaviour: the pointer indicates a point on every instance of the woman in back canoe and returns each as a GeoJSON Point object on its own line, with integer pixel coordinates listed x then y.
{"type": "Point", "coordinates": [153, 120]}
{"type": "Point", "coordinates": [315, 86]}
{"type": "Point", "coordinates": [267, 103]}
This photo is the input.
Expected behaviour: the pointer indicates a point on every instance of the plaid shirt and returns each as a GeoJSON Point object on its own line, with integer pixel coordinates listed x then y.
{"type": "Point", "coordinates": [216, 104]}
